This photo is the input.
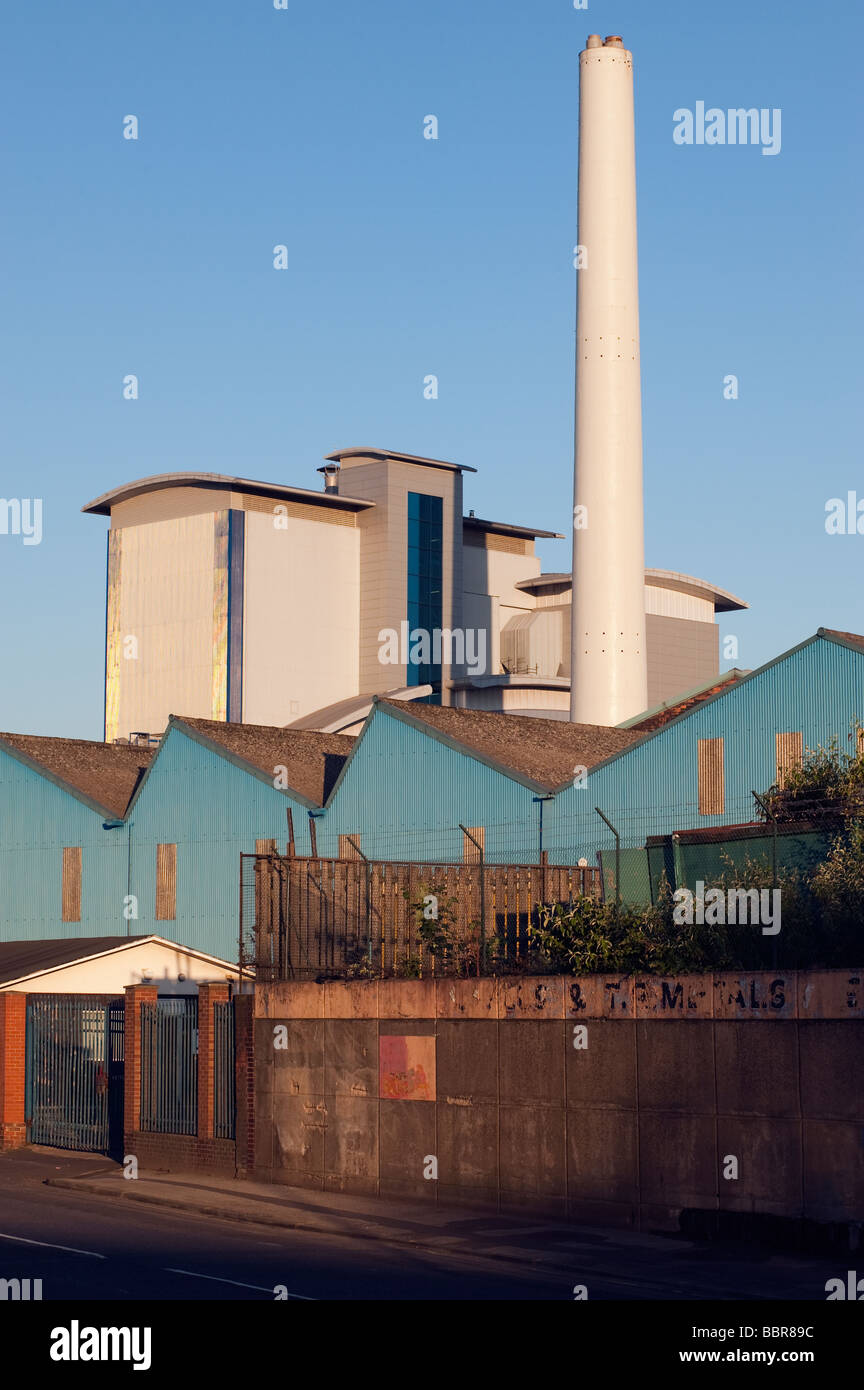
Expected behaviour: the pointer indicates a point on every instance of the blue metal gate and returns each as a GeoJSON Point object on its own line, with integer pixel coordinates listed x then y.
{"type": "Point", "coordinates": [74, 1077]}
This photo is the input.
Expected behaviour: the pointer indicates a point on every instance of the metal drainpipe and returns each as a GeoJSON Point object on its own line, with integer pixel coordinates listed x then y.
{"type": "Point", "coordinates": [128, 870]}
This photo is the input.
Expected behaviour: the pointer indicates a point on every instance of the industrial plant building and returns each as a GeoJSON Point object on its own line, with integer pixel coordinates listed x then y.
{"type": "Point", "coordinates": [267, 604]}
{"type": "Point", "coordinates": [262, 603]}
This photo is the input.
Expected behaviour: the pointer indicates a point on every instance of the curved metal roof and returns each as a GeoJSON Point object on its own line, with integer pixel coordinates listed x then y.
{"type": "Point", "coordinates": [723, 601]}
{"type": "Point", "coordinates": [101, 506]}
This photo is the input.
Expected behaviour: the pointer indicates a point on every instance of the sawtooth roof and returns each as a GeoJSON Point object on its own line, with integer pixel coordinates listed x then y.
{"type": "Point", "coordinates": [849, 639]}
{"type": "Point", "coordinates": [544, 751]}
{"type": "Point", "coordinates": [312, 760]}
{"type": "Point", "coordinates": [104, 773]}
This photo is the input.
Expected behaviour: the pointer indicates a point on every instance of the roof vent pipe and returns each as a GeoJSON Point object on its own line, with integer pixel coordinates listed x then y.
{"type": "Point", "coordinates": [331, 477]}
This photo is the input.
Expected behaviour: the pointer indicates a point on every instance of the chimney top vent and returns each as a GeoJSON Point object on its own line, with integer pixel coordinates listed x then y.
{"type": "Point", "coordinates": [331, 477]}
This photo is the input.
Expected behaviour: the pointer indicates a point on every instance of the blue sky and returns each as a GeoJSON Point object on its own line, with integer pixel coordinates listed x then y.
{"type": "Point", "coordinates": [406, 257]}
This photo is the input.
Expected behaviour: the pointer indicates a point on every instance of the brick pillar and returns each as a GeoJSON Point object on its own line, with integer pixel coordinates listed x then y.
{"type": "Point", "coordinates": [13, 1024]}
{"type": "Point", "coordinates": [244, 1075]}
{"type": "Point", "coordinates": [136, 995]}
{"type": "Point", "coordinates": [208, 995]}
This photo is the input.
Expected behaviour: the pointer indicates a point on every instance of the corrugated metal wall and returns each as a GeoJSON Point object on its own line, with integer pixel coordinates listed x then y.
{"type": "Point", "coordinates": [37, 821]}
{"type": "Point", "coordinates": [212, 811]}
{"type": "Point", "coordinates": [194, 799]}
{"type": "Point", "coordinates": [653, 789]}
{"type": "Point", "coordinates": [406, 794]}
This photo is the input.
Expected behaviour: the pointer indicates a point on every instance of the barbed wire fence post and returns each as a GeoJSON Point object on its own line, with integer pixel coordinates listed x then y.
{"type": "Point", "coordinates": [481, 850]}
{"type": "Point", "coordinates": [770, 815]}
{"type": "Point", "coordinates": [360, 855]}
{"type": "Point", "coordinates": [617, 859]}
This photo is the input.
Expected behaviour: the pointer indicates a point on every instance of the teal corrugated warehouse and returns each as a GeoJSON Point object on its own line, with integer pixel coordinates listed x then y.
{"type": "Point", "coordinates": [90, 833]}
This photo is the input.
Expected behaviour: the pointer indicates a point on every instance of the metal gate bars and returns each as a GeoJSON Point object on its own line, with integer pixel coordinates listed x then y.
{"type": "Point", "coordinates": [74, 1076]}
{"type": "Point", "coordinates": [169, 1066]}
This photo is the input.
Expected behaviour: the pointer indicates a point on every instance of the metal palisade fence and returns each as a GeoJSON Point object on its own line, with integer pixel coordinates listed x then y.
{"type": "Point", "coordinates": [223, 1070]}
{"type": "Point", "coordinates": [169, 1066]}
{"type": "Point", "coordinates": [303, 918]}
{"type": "Point", "coordinates": [74, 1071]}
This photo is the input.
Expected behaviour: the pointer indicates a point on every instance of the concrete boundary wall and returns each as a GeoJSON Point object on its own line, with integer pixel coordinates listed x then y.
{"type": "Point", "coordinates": [617, 1100]}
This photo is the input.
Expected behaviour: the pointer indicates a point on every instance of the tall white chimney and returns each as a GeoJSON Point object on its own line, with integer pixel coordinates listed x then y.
{"type": "Point", "coordinates": [608, 678]}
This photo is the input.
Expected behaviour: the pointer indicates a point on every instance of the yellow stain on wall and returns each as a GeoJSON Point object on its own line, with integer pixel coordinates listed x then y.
{"type": "Point", "coordinates": [219, 701]}
{"type": "Point", "coordinates": [113, 637]}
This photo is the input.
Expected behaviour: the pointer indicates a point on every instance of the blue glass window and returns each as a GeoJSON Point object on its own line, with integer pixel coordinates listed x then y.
{"type": "Point", "coordinates": [425, 552]}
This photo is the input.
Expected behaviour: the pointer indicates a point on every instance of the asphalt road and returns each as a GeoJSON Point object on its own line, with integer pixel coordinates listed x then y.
{"type": "Point", "coordinates": [84, 1246]}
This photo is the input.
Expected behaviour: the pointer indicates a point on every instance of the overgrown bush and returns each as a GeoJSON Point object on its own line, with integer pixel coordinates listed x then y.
{"type": "Point", "coordinates": [454, 950]}
{"type": "Point", "coordinates": [821, 916]}
{"type": "Point", "coordinates": [838, 888]}
{"type": "Point", "coordinates": [827, 785]}
{"type": "Point", "coordinates": [591, 936]}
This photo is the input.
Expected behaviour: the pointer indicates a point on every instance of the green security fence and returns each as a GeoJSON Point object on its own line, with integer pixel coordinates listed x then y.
{"type": "Point", "coordinates": [169, 1066]}
{"type": "Point", "coordinates": [223, 1071]}
{"type": "Point", "coordinates": [74, 1072]}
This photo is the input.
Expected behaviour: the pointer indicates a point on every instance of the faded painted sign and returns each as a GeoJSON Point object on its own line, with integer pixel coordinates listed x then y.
{"type": "Point", "coordinates": [760, 995]}
{"type": "Point", "coordinates": [407, 1067]}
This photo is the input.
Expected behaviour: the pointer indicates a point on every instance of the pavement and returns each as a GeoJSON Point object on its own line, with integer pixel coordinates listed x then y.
{"type": "Point", "coordinates": [624, 1264]}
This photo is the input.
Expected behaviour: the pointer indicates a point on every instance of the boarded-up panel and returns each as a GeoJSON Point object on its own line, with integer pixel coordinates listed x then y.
{"type": "Point", "coordinates": [712, 794]}
{"type": "Point", "coordinates": [71, 889]}
{"type": "Point", "coordinates": [166, 883]}
{"type": "Point", "coordinates": [470, 851]}
{"type": "Point", "coordinates": [407, 1067]}
{"type": "Point", "coordinates": [790, 753]}
{"type": "Point", "coordinates": [347, 850]}
{"type": "Point", "coordinates": [265, 847]}
{"type": "Point", "coordinates": [860, 738]}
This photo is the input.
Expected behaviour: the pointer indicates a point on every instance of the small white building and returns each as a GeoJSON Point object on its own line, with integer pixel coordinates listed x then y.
{"type": "Point", "coordinates": [106, 964]}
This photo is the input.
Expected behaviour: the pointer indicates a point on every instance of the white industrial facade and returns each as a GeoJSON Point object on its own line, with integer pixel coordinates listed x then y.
{"type": "Point", "coordinates": [260, 603]}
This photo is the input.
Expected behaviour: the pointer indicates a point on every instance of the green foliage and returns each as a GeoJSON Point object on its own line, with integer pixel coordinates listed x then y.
{"type": "Point", "coordinates": [410, 968]}
{"type": "Point", "coordinates": [455, 951]}
{"type": "Point", "coordinates": [827, 785]}
{"type": "Point", "coordinates": [591, 936]}
{"type": "Point", "coordinates": [838, 887]}
{"type": "Point", "coordinates": [822, 905]}
{"type": "Point", "coordinates": [822, 923]}
{"type": "Point", "coordinates": [361, 969]}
